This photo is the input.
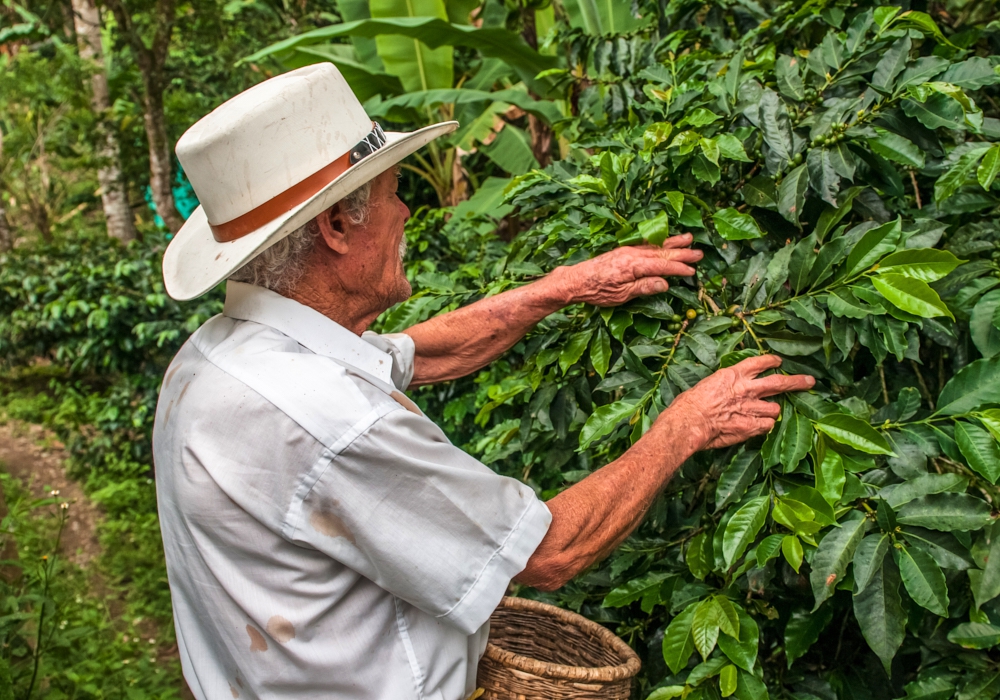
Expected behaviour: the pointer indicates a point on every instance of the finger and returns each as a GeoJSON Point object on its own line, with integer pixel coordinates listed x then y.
{"type": "Point", "coordinates": [648, 286]}
{"type": "Point", "coordinates": [653, 267]}
{"type": "Point", "coordinates": [780, 383]}
{"type": "Point", "coordinates": [752, 366]}
{"type": "Point", "coordinates": [765, 409]}
{"type": "Point", "coordinates": [681, 241]}
{"type": "Point", "coordinates": [763, 425]}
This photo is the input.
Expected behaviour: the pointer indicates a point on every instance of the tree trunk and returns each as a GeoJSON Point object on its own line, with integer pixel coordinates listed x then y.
{"type": "Point", "coordinates": [114, 198]}
{"type": "Point", "coordinates": [160, 177]}
{"type": "Point", "coordinates": [6, 235]}
{"type": "Point", "coordinates": [150, 60]}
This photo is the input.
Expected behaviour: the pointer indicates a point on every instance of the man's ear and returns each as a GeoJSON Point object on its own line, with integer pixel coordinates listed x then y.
{"type": "Point", "coordinates": [331, 229]}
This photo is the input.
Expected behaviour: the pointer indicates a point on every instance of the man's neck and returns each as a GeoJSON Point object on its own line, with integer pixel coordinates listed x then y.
{"type": "Point", "coordinates": [351, 310]}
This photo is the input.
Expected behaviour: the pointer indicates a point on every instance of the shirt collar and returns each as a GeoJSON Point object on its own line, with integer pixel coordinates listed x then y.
{"type": "Point", "coordinates": [306, 326]}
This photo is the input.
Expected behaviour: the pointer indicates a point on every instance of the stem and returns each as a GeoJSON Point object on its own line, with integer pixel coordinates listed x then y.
{"type": "Point", "coordinates": [885, 389]}
{"type": "Point", "coordinates": [46, 564]}
{"type": "Point", "coordinates": [916, 190]}
{"type": "Point", "coordinates": [925, 392]}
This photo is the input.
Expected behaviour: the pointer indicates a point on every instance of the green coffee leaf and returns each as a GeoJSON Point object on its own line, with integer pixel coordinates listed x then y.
{"type": "Point", "coordinates": [731, 147]}
{"type": "Point", "coordinates": [872, 246]}
{"type": "Point", "coordinates": [923, 579]}
{"type": "Point", "coordinates": [988, 586]}
{"type": "Point", "coordinates": [971, 74]}
{"type": "Point", "coordinates": [656, 230]}
{"type": "Point", "coordinates": [769, 548]}
{"type": "Point", "coordinates": [984, 333]}
{"type": "Point", "coordinates": [727, 681]}
{"type": "Point", "coordinates": [743, 528]}
{"type": "Point", "coordinates": [989, 168]}
{"type": "Point", "coordinates": [943, 547]}
{"type": "Point", "coordinates": [892, 63]}
{"type": "Point", "coordinates": [830, 478]}
{"type": "Point", "coordinates": [868, 559]}
{"type": "Point", "coordinates": [645, 588]}
{"type": "Point", "coordinates": [705, 626]}
{"type": "Point", "coordinates": [775, 124]}
{"type": "Point", "coordinates": [791, 548]}
{"type": "Point", "coordinates": [897, 149]}
{"type": "Point", "coordinates": [573, 349]}
{"type": "Point", "coordinates": [991, 419]}
{"type": "Point", "coordinates": [925, 264]}
{"type": "Point", "coordinates": [947, 512]}
{"type": "Point", "coordinates": [823, 177]}
{"type": "Point", "coordinates": [911, 295]}
{"type": "Point", "coordinates": [835, 552]}
{"type": "Point", "coordinates": [600, 351]}
{"type": "Point", "coordinates": [980, 449]}
{"type": "Point", "coordinates": [975, 384]}
{"type": "Point", "coordinates": [699, 555]}
{"type": "Point", "coordinates": [975, 635]}
{"type": "Point", "coordinates": [879, 611]}
{"type": "Point", "coordinates": [797, 440]}
{"type": "Point", "coordinates": [897, 495]}
{"type": "Point", "coordinates": [678, 644]}
{"type": "Point", "coordinates": [742, 649]}
{"type": "Point", "coordinates": [790, 78]}
{"type": "Point", "coordinates": [956, 176]}
{"type": "Point", "coordinates": [735, 226]}
{"type": "Point", "coordinates": [792, 193]}
{"type": "Point", "coordinates": [736, 477]}
{"type": "Point", "coordinates": [803, 630]}
{"type": "Point", "coordinates": [605, 419]}
{"type": "Point", "coordinates": [853, 432]}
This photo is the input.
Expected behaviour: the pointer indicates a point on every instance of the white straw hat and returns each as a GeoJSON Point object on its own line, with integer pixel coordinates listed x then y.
{"type": "Point", "coordinates": [269, 160]}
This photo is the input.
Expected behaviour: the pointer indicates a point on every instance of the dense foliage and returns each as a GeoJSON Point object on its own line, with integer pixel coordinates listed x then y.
{"type": "Point", "coordinates": [837, 167]}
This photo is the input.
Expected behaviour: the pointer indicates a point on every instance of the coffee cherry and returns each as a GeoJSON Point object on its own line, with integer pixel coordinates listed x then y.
{"type": "Point", "coordinates": [691, 314]}
{"type": "Point", "coordinates": [676, 318]}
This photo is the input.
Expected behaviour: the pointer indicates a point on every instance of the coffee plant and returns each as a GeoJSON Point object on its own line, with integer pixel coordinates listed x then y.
{"type": "Point", "coordinates": [837, 163]}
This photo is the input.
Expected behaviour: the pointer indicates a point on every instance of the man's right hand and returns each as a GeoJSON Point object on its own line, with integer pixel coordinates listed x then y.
{"type": "Point", "coordinates": [728, 407]}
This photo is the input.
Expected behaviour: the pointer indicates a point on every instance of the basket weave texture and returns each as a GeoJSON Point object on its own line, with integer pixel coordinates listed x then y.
{"type": "Point", "coordinates": [538, 651]}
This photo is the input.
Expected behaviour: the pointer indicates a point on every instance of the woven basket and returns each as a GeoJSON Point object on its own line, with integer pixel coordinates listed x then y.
{"type": "Point", "coordinates": [541, 652]}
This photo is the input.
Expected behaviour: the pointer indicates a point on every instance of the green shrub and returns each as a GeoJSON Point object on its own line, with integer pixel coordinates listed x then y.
{"type": "Point", "coordinates": [837, 167]}
{"type": "Point", "coordinates": [93, 306]}
{"type": "Point", "coordinates": [57, 638]}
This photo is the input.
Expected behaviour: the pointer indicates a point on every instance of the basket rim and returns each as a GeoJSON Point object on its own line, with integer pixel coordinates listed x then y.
{"type": "Point", "coordinates": [627, 669]}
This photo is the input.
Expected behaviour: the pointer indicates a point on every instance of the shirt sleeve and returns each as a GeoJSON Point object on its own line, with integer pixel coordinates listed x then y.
{"type": "Point", "coordinates": [423, 520]}
{"type": "Point", "coordinates": [400, 346]}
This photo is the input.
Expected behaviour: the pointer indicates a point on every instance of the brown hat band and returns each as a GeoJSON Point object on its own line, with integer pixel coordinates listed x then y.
{"type": "Point", "coordinates": [282, 203]}
{"type": "Point", "coordinates": [298, 193]}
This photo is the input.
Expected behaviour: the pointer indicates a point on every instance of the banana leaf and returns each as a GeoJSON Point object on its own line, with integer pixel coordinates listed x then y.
{"type": "Point", "coordinates": [491, 42]}
{"type": "Point", "coordinates": [544, 110]}
{"type": "Point", "coordinates": [416, 65]}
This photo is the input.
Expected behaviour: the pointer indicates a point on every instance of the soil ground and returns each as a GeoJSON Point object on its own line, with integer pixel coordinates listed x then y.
{"type": "Point", "coordinates": [33, 454]}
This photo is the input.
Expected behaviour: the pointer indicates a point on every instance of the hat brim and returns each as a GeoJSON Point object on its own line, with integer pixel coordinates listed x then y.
{"type": "Point", "coordinates": [195, 262]}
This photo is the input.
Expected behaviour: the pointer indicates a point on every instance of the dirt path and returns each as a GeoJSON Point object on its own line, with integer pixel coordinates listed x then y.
{"type": "Point", "coordinates": [35, 456]}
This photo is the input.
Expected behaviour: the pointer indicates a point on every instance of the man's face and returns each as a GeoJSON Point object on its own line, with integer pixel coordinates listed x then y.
{"type": "Point", "coordinates": [377, 246]}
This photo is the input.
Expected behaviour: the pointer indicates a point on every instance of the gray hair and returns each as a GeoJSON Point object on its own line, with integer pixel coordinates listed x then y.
{"type": "Point", "coordinates": [281, 266]}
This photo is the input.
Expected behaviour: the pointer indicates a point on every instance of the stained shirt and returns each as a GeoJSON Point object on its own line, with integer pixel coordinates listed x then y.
{"type": "Point", "coordinates": [323, 538]}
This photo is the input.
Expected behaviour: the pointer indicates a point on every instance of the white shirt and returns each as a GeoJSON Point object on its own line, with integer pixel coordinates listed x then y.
{"type": "Point", "coordinates": [322, 540]}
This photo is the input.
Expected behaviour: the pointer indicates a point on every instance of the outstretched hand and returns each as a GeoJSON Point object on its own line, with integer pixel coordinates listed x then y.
{"type": "Point", "coordinates": [629, 272]}
{"type": "Point", "coordinates": [728, 407]}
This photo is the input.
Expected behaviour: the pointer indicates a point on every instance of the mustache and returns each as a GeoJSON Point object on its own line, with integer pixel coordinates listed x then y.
{"type": "Point", "coordinates": [402, 248]}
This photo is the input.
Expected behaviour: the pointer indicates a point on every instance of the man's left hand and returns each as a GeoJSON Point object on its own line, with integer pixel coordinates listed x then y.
{"type": "Point", "coordinates": [628, 272]}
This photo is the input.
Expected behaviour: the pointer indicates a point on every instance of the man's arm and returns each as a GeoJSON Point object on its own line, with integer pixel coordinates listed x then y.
{"type": "Point", "coordinates": [460, 342]}
{"type": "Point", "coordinates": [592, 517]}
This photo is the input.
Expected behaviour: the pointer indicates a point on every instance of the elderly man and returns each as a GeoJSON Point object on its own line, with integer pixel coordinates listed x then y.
{"type": "Point", "coordinates": [323, 538]}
